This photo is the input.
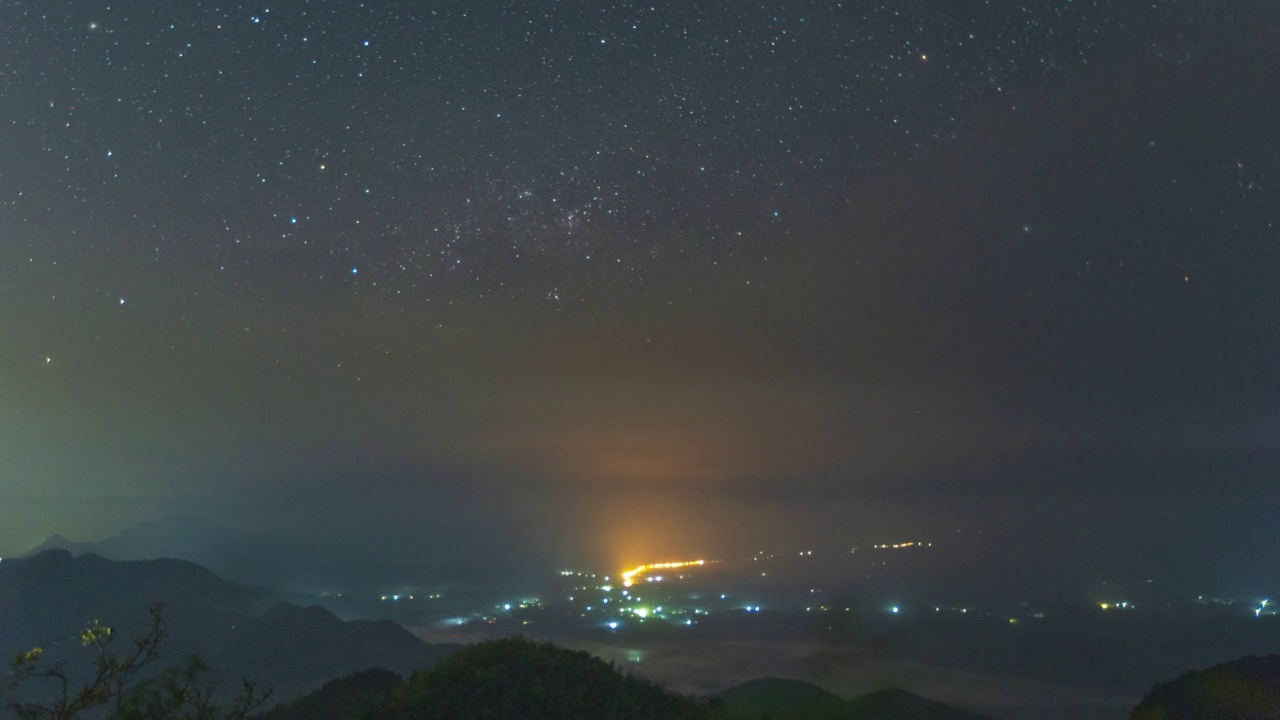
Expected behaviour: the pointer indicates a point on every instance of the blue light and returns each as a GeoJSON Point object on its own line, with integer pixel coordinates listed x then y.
{"type": "Point", "coordinates": [355, 270]}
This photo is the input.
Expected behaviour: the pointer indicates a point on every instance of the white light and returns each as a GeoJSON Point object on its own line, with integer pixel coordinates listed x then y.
{"type": "Point", "coordinates": [613, 625]}
{"type": "Point", "coordinates": [894, 609]}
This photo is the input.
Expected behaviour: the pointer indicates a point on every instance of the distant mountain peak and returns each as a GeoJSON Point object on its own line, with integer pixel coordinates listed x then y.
{"type": "Point", "coordinates": [245, 557]}
{"type": "Point", "coordinates": [55, 541]}
{"type": "Point", "coordinates": [310, 614]}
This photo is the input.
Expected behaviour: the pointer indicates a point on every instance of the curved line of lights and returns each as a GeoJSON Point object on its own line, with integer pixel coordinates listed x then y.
{"type": "Point", "coordinates": [628, 575]}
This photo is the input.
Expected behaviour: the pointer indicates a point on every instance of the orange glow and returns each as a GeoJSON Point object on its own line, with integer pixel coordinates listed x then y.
{"type": "Point", "coordinates": [627, 575]}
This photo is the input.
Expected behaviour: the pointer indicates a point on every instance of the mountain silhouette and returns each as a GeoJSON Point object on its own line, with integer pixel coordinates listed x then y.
{"type": "Point", "coordinates": [314, 645]}
{"type": "Point", "coordinates": [239, 630]}
{"type": "Point", "coordinates": [245, 557]}
{"type": "Point", "coordinates": [287, 562]}
{"type": "Point", "coordinates": [783, 699]}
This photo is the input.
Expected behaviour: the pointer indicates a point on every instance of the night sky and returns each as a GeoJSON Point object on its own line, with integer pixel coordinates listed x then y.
{"type": "Point", "coordinates": [610, 281]}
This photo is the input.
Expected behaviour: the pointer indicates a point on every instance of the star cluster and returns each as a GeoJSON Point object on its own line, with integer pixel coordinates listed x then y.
{"type": "Point", "coordinates": [514, 150]}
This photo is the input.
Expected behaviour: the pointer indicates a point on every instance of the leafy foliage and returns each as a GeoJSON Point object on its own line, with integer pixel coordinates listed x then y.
{"type": "Point", "coordinates": [115, 688]}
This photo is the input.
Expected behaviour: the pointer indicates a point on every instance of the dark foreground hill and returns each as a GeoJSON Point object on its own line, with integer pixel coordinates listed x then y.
{"type": "Point", "coordinates": [1244, 689]}
{"type": "Point", "coordinates": [898, 704]}
{"type": "Point", "coordinates": [510, 679]}
{"type": "Point", "coordinates": [779, 699]}
{"type": "Point", "coordinates": [239, 631]}
{"type": "Point", "coordinates": [515, 679]}
{"type": "Point", "coordinates": [359, 695]}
